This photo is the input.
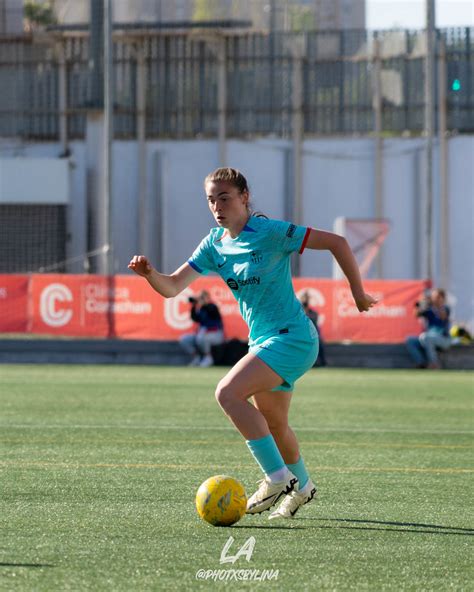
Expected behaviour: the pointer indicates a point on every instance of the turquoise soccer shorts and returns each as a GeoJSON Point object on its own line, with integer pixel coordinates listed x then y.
{"type": "Point", "coordinates": [290, 353]}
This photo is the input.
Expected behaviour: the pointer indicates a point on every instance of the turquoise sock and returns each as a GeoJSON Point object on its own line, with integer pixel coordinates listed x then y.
{"type": "Point", "coordinates": [266, 453]}
{"type": "Point", "coordinates": [299, 470]}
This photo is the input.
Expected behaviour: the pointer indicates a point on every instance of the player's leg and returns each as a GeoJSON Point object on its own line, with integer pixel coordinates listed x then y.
{"type": "Point", "coordinates": [275, 407]}
{"type": "Point", "coordinates": [251, 375]}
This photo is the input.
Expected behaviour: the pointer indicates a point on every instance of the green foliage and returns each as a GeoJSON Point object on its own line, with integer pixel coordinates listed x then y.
{"type": "Point", "coordinates": [301, 18]}
{"type": "Point", "coordinates": [207, 10]}
{"type": "Point", "coordinates": [38, 14]}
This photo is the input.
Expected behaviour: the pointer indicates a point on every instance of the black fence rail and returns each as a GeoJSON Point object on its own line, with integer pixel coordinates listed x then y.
{"type": "Point", "coordinates": [181, 82]}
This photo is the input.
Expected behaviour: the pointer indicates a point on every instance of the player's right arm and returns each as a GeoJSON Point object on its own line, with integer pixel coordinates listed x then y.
{"type": "Point", "coordinates": [166, 285]}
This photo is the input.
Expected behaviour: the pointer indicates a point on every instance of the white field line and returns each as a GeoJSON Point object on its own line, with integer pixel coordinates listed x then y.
{"type": "Point", "coordinates": [331, 469]}
{"type": "Point", "coordinates": [361, 430]}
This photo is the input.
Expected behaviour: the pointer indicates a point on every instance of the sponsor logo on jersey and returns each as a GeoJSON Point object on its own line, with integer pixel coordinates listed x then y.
{"type": "Point", "coordinates": [235, 284]}
{"type": "Point", "coordinates": [291, 230]}
{"type": "Point", "coordinates": [254, 280]}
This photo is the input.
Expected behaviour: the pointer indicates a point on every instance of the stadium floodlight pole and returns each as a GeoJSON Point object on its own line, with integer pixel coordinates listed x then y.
{"type": "Point", "coordinates": [298, 136]}
{"type": "Point", "coordinates": [143, 211]}
{"type": "Point", "coordinates": [108, 133]}
{"type": "Point", "coordinates": [222, 99]}
{"type": "Point", "coordinates": [429, 133]}
{"type": "Point", "coordinates": [443, 165]}
{"type": "Point", "coordinates": [379, 143]}
{"type": "Point", "coordinates": [272, 9]}
{"type": "Point", "coordinates": [62, 96]}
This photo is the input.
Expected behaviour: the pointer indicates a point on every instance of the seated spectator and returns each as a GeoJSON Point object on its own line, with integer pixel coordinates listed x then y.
{"type": "Point", "coordinates": [312, 314]}
{"type": "Point", "coordinates": [423, 349]}
{"type": "Point", "coordinates": [210, 331]}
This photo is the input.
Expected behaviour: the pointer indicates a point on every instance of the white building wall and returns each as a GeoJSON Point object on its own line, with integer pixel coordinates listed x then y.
{"type": "Point", "coordinates": [461, 225]}
{"type": "Point", "coordinates": [403, 203]}
{"type": "Point", "coordinates": [337, 181]}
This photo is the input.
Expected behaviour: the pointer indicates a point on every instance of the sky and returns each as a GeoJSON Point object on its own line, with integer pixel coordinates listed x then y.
{"type": "Point", "coordinates": [386, 14]}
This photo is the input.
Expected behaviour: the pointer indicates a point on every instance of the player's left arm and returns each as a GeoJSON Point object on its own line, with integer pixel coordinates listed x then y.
{"type": "Point", "coordinates": [322, 240]}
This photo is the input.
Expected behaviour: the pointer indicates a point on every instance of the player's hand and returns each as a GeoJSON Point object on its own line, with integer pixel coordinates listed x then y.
{"type": "Point", "coordinates": [364, 302]}
{"type": "Point", "coordinates": [140, 265]}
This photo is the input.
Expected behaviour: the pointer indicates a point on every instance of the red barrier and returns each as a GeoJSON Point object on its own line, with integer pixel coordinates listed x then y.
{"type": "Point", "coordinates": [126, 307]}
{"type": "Point", "coordinates": [14, 303]}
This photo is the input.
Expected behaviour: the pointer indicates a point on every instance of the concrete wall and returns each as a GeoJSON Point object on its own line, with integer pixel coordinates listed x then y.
{"type": "Point", "coordinates": [338, 180]}
{"type": "Point", "coordinates": [11, 17]}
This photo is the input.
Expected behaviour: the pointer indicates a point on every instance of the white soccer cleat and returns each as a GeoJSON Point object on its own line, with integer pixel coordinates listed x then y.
{"type": "Point", "coordinates": [293, 502]}
{"type": "Point", "coordinates": [269, 493]}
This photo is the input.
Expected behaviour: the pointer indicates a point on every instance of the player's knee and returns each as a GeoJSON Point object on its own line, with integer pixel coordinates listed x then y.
{"type": "Point", "coordinates": [225, 395]}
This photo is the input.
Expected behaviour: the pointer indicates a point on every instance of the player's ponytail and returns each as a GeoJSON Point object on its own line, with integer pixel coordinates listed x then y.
{"type": "Point", "coordinates": [258, 214]}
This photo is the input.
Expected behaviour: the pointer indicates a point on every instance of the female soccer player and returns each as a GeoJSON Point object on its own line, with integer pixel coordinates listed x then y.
{"type": "Point", "coordinates": [252, 255]}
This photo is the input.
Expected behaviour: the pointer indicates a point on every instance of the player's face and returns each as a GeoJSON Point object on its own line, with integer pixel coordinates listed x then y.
{"type": "Point", "coordinates": [227, 204]}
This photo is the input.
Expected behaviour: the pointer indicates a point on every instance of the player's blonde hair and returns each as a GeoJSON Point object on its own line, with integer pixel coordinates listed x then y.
{"type": "Point", "coordinates": [229, 175]}
{"type": "Point", "coordinates": [235, 178]}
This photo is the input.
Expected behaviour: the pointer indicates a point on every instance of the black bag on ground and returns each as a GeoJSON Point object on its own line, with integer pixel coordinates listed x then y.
{"type": "Point", "coordinates": [229, 353]}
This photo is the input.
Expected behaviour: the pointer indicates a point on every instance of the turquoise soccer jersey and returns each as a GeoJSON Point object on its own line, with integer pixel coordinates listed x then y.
{"type": "Point", "coordinates": [256, 267]}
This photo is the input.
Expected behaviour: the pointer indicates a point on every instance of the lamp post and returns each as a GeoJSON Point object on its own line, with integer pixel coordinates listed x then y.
{"type": "Point", "coordinates": [429, 133]}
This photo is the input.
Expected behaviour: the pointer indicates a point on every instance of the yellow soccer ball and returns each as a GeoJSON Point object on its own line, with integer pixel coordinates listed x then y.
{"type": "Point", "coordinates": [221, 500]}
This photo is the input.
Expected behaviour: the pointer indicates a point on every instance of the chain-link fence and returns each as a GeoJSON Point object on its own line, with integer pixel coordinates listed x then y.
{"type": "Point", "coordinates": [175, 81]}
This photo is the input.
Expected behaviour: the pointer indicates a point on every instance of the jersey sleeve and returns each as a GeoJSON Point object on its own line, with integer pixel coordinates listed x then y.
{"type": "Point", "coordinates": [201, 260]}
{"type": "Point", "coordinates": [288, 237]}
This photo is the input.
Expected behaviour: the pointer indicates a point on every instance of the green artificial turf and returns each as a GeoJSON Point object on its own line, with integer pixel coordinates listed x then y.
{"type": "Point", "coordinates": [100, 465]}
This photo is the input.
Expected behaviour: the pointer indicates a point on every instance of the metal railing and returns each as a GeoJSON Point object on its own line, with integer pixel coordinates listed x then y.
{"type": "Point", "coordinates": [186, 84]}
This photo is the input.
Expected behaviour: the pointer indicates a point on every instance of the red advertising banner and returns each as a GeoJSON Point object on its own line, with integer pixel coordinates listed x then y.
{"type": "Point", "coordinates": [126, 307]}
{"type": "Point", "coordinates": [390, 321]}
{"type": "Point", "coordinates": [14, 303]}
{"type": "Point", "coordinates": [95, 306]}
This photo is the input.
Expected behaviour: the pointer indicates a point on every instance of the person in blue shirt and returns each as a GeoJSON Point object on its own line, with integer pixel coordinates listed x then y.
{"type": "Point", "coordinates": [435, 314]}
{"type": "Point", "coordinates": [252, 256]}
